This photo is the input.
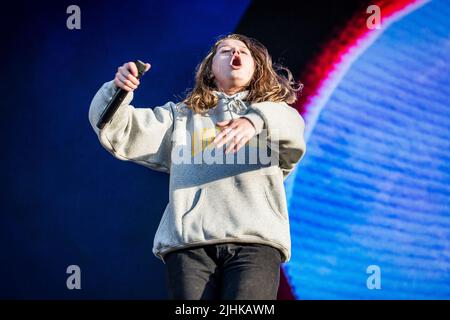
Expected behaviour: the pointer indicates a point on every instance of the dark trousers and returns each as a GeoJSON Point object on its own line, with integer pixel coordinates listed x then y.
{"type": "Point", "coordinates": [228, 271]}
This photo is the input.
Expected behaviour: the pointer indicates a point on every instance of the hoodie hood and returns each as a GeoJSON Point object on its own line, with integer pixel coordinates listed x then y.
{"type": "Point", "coordinates": [229, 106]}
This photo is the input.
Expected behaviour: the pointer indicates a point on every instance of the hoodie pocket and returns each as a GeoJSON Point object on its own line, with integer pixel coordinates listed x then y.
{"type": "Point", "coordinates": [276, 209]}
{"type": "Point", "coordinates": [192, 219]}
{"type": "Point", "coordinates": [197, 202]}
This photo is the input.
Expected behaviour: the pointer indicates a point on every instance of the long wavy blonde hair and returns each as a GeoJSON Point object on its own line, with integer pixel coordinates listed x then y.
{"type": "Point", "coordinates": [267, 84]}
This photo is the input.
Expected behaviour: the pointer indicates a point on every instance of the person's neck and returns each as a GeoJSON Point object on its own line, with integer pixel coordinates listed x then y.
{"type": "Point", "coordinates": [231, 91]}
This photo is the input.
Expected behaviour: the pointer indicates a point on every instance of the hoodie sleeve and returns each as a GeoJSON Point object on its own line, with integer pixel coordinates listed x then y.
{"type": "Point", "coordinates": [142, 135]}
{"type": "Point", "coordinates": [283, 124]}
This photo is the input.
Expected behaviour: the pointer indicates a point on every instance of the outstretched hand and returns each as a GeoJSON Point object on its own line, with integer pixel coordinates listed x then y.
{"type": "Point", "coordinates": [236, 132]}
{"type": "Point", "coordinates": [126, 76]}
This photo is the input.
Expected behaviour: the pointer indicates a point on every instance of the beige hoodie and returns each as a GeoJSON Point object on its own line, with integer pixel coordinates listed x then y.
{"type": "Point", "coordinates": [213, 197]}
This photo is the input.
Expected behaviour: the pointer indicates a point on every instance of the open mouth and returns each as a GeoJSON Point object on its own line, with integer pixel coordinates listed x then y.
{"type": "Point", "coordinates": [236, 62]}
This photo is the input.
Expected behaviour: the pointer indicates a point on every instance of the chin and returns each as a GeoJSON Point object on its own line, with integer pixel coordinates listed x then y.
{"type": "Point", "coordinates": [239, 79]}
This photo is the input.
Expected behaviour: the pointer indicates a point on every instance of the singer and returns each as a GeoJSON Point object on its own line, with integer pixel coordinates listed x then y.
{"type": "Point", "coordinates": [225, 231]}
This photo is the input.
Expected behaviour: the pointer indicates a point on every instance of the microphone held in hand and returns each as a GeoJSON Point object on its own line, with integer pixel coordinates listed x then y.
{"type": "Point", "coordinates": [117, 99]}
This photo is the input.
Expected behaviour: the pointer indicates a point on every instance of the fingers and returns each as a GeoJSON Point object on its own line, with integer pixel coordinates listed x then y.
{"type": "Point", "coordinates": [229, 125]}
{"type": "Point", "coordinates": [233, 143]}
{"type": "Point", "coordinates": [125, 82]}
{"type": "Point", "coordinates": [130, 75]}
{"type": "Point", "coordinates": [237, 142]}
{"type": "Point", "coordinates": [232, 135]}
{"type": "Point", "coordinates": [120, 84]}
{"type": "Point", "coordinates": [219, 137]}
{"type": "Point", "coordinates": [240, 143]}
{"type": "Point", "coordinates": [224, 136]}
{"type": "Point", "coordinates": [126, 76]}
{"type": "Point", "coordinates": [235, 135]}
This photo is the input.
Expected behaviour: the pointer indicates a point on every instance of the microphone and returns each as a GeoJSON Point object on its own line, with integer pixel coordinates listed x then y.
{"type": "Point", "coordinates": [117, 99]}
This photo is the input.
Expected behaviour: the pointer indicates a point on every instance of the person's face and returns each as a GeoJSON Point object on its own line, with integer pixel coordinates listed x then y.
{"type": "Point", "coordinates": [232, 66]}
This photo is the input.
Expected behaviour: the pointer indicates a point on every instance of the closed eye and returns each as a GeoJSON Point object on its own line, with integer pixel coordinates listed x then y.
{"type": "Point", "coordinates": [228, 50]}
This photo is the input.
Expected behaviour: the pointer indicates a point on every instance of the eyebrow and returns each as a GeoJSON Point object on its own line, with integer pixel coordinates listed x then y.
{"type": "Point", "coordinates": [228, 45]}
